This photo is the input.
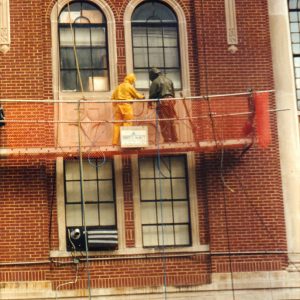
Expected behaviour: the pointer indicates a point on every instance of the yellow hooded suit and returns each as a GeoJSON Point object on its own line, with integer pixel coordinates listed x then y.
{"type": "Point", "coordinates": [124, 111]}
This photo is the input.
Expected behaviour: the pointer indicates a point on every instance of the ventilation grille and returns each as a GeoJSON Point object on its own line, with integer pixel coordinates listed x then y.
{"type": "Point", "coordinates": [98, 238]}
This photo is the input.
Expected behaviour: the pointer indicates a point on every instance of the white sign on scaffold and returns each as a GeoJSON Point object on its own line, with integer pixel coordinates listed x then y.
{"type": "Point", "coordinates": [134, 136]}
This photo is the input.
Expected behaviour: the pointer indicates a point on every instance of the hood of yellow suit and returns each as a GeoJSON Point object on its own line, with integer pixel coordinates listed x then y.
{"type": "Point", "coordinates": [130, 78]}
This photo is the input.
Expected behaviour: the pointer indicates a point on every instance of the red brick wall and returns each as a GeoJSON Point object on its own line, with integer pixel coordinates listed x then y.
{"type": "Point", "coordinates": [239, 198]}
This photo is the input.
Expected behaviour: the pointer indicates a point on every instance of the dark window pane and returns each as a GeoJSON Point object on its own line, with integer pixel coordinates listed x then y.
{"type": "Point", "coordinates": [68, 80]}
{"type": "Point", "coordinates": [67, 58]}
{"type": "Point", "coordinates": [84, 58]}
{"type": "Point", "coordinates": [153, 10]}
{"type": "Point", "coordinates": [99, 58]}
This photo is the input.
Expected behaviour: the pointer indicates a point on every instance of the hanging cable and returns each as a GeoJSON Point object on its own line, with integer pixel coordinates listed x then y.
{"type": "Point", "coordinates": [83, 210]}
{"type": "Point", "coordinates": [161, 201]}
{"type": "Point", "coordinates": [69, 282]}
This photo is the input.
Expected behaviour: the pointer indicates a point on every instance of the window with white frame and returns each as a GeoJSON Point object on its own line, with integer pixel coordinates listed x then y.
{"type": "Point", "coordinates": [294, 16]}
{"type": "Point", "coordinates": [164, 201]}
{"type": "Point", "coordinates": [155, 42]}
{"type": "Point", "coordinates": [164, 204]}
{"type": "Point", "coordinates": [90, 204]}
{"type": "Point", "coordinates": [83, 49]}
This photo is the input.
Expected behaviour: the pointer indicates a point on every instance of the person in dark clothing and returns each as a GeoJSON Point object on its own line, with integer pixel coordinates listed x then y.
{"type": "Point", "coordinates": [162, 88]}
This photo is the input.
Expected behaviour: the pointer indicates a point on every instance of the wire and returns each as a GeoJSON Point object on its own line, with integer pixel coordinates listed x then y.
{"type": "Point", "coordinates": [67, 283]}
{"type": "Point", "coordinates": [161, 201]}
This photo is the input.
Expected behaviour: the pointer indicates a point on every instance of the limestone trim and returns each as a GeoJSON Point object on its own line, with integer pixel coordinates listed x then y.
{"type": "Point", "coordinates": [231, 25]}
{"type": "Point", "coordinates": [4, 26]}
{"type": "Point", "coordinates": [182, 30]}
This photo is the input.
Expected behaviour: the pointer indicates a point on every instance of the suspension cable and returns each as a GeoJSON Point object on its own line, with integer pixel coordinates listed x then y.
{"type": "Point", "coordinates": [83, 209]}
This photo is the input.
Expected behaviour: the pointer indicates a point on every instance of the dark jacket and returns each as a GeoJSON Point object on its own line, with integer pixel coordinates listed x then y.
{"type": "Point", "coordinates": [161, 87]}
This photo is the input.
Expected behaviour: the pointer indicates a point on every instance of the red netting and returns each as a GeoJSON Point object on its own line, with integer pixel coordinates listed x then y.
{"type": "Point", "coordinates": [262, 118]}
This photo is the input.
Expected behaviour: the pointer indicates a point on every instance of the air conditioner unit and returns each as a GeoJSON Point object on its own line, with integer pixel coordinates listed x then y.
{"type": "Point", "coordinates": [98, 238]}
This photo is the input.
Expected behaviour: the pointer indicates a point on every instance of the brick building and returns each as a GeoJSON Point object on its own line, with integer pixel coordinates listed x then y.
{"type": "Point", "coordinates": [211, 216]}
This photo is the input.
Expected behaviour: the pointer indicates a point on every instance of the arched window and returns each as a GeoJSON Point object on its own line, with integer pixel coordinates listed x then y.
{"type": "Point", "coordinates": [83, 48]}
{"type": "Point", "coordinates": [155, 42]}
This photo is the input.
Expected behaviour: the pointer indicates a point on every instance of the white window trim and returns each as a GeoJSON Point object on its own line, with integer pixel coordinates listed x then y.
{"type": "Point", "coordinates": [111, 47]}
{"type": "Point", "coordinates": [60, 195]}
{"type": "Point", "coordinates": [194, 216]}
{"type": "Point", "coordinates": [183, 38]}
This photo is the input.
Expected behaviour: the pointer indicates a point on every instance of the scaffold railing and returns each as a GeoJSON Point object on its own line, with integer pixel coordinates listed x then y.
{"type": "Point", "coordinates": [37, 127]}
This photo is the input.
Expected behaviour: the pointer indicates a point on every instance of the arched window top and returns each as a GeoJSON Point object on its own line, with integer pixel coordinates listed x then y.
{"type": "Point", "coordinates": [153, 11]}
{"type": "Point", "coordinates": [81, 12]}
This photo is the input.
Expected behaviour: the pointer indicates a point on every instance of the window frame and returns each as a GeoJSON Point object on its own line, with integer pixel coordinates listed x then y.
{"type": "Point", "coordinates": [74, 27]}
{"type": "Point", "coordinates": [97, 180]}
{"type": "Point", "coordinates": [159, 202]}
{"type": "Point", "coordinates": [122, 249]}
{"type": "Point", "coordinates": [162, 25]}
{"type": "Point", "coordinates": [61, 211]}
{"type": "Point", "coordinates": [194, 217]}
{"type": "Point", "coordinates": [111, 48]}
{"type": "Point", "coordinates": [182, 37]}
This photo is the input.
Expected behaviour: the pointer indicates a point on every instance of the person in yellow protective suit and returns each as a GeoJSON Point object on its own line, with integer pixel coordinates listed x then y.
{"type": "Point", "coordinates": [123, 110]}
